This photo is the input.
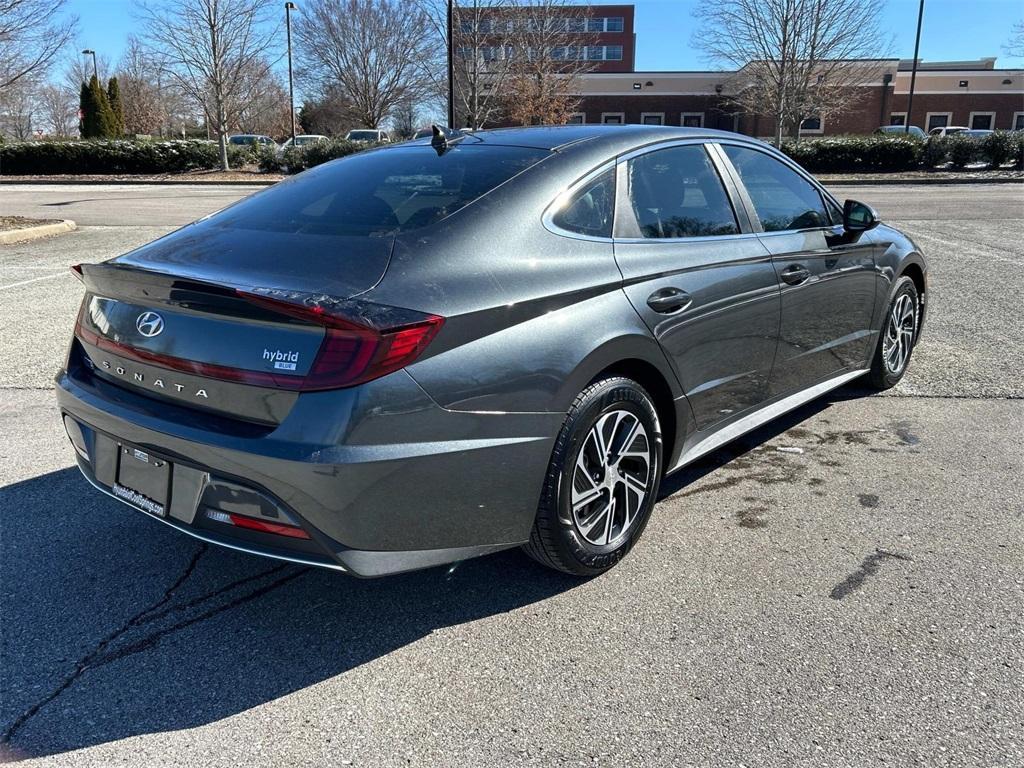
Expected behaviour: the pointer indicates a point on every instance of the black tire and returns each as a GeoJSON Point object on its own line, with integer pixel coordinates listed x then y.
{"type": "Point", "coordinates": [557, 540]}
{"type": "Point", "coordinates": [882, 375]}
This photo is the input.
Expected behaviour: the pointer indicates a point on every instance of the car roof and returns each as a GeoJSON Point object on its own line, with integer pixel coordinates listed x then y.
{"type": "Point", "coordinates": [612, 137]}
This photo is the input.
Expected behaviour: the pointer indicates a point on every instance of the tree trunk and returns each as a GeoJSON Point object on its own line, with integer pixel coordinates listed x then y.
{"type": "Point", "coordinates": [222, 136]}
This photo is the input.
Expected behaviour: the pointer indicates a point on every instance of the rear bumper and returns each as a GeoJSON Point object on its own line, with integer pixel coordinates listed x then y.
{"type": "Point", "coordinates": [380, 477]}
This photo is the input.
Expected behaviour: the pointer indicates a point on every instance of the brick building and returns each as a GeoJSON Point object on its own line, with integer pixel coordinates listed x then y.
{"type": "Point", "coordinates": [969, 93]}
{"type": "Point", "coordinates": [975, 94]}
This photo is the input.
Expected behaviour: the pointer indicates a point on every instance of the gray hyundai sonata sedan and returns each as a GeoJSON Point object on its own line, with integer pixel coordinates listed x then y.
{"type": "Point", "coordinates": [443, 348]}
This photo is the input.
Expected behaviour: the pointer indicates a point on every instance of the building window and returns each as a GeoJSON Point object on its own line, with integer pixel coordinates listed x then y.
{"type": "Point", "coordinates": [1018, 121]}
{"type": "Point", "coordinates": [982, 121]}
{"type": "Point", "coordinates": [614, 24]}
{"type": "Point", "coordinates": [652, 118]}
{"type": "Point", "coordinates": [691, 119]}
{"type": "Point", "coordinates": [937, 120]}
{"type": "Point", "coordinates": [613, 53]}
{"type": "Point", "coordinates": [897, 118]}
{"type": "Point", "coordinates": [577, 118]}
{"type": "Point", "coordinates": [613, 118]}
{"type": "Point", "coordinates": [812, 125]}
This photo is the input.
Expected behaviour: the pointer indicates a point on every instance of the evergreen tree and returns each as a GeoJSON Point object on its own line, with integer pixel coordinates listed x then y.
{"type": "Point", "coordinates": [116, 108]}
{"type": "Point", "coordinates": [84, 111]}
{"type": "Point", "coordinates": [102, 124]}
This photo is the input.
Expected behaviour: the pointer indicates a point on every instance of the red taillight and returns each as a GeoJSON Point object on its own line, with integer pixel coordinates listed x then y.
{"type": "Point", "coordinates": [353, 352]}
{"type": "Point", "coordinates": [252, 524]}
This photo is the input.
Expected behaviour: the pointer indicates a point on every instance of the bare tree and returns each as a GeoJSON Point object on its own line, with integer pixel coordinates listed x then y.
{"type": "Point", "coordinates": [139, 77]}
{"type": "Point", "coordinates": [57, 111]}
{"type": "Point", "coordinates": [405, 117]}
{"type": "Point", "coordinates": [17, 109]}
{"type": "Point", "coordinates": [211, 48]}
{"type": "Point", "coordinates": [32, 33]}
{"type": "Point", "coordinates": [262, 105]}
{"type": "Point", "coordinates": [370, 51]}
{"type": "Point", "coordinates": [485, 42]}
{"type": "Point", "coordinates": [553, 53]}
{"type": "Point", "coordinates": [331, 114]}
{"type": "Point", "coordinates": [795, 58]}
{"type": "Point", "coordinates": [1015, 45]}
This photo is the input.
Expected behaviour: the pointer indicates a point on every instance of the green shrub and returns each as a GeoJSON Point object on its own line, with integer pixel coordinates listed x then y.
{"type": "Point", "coordinates": [963, 150]}
{"type": "Point", "coordinates": [80, 157]}
{"type": "Point", "coordinates": [267, 159]}
{"type": "Point", "coordinates": [936, 152]}
{"type": "Point", "coordinates": [1018, 151]}
{"type": "Point", "coordinates": [852, 154]}
{"type": "Point", "coordinates": [998, 148]}
{"type": "Point", "coordinates": [298, 159]}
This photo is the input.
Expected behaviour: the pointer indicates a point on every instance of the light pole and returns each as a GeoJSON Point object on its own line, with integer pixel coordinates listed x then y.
{"type": "Point", "coordinates": [913, 70]}
{"type": "Point", "coordinates": [288, 8]}
{"type": "Point", "coordinates": [88, 52]}
{"type": "Point", "coordinates": [451, 79]}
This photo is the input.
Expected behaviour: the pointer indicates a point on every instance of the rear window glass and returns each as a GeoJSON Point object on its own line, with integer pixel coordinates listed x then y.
{"type": "Point", "coordinates": [381, 193]}
{"type": "Point", "coordinates": [363, 135]}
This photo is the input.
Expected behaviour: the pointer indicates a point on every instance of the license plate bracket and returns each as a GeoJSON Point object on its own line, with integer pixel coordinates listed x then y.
{"type": "Point", "coordinates": [143, 480]}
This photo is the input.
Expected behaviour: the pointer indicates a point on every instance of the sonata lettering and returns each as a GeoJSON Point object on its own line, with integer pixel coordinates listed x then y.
{"type": "Point", "coordinates": [157, 382]}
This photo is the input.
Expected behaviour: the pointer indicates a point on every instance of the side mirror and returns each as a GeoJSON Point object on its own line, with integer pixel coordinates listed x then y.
{"type": "Point", "coordinates": [858, 217]}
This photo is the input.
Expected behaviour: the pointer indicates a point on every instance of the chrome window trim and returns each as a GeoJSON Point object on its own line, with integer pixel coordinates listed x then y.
{"type": "Point", "coordinates": [566, 195]}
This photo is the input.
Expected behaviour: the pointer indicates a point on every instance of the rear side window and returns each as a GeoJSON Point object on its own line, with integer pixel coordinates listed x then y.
{"type": "Point", "coordinates": [590, 211]}
{"type": "Point", "coordinates": [782, 198]}
{"type": "Point", "coordinates": [676, 192]}
{"type": "Point", "coordinates": [379, 193]}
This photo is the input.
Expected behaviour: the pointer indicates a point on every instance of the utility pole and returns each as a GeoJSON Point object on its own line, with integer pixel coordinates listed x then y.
{"type": "Point", "coordinates": [288, 8]}
{"type": "Point", "coordinates": [913, 71]}
{"type": "Point", "coordinates": [451, 78]}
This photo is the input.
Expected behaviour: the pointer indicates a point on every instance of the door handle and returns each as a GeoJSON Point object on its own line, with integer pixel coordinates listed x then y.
{"type": "Point", "coordinates": [795, 274]}
{"type": "Point", "coordinates": [668, 300]}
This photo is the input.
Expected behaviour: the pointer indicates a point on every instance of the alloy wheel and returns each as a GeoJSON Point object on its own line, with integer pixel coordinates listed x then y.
{"type": "Point", "coordinates": [899, 334]}
{"type": "Point", "coordinates": [611, 478]}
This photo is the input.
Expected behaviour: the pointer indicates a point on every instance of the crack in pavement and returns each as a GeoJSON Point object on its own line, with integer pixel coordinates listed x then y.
{"type": "Point", "coordinates": [100, 656]}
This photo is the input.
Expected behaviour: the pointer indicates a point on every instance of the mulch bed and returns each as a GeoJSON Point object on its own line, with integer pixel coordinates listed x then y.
{"type": "Point", "coordinates": [8, 223]}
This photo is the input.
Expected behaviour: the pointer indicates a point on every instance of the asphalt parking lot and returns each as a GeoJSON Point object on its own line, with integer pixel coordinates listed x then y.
{"type": "Point", "coordinates": [852, 599]}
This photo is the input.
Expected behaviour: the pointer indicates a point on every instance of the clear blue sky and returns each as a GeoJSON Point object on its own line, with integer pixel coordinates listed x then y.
{"type": "Point", "coordinates": [953, 29]}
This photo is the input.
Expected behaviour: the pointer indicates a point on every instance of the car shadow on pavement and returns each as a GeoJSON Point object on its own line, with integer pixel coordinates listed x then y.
{"type": "Point", "coordinates": [730, 451]}
{"type": "Point", "coordinates": [114, 625]}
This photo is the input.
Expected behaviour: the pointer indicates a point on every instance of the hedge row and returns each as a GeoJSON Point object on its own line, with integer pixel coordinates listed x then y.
{"type": "Point", "coordinates": [895, 153]}
{"type": "Point", "coordinates": [297, 159]}
{"type": "Point", "coordinates": [80, 157]}
{"type": "Point", "coordinates": [840, 154]}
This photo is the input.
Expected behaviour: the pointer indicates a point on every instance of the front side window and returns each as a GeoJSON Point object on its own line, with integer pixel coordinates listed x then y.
{"type": "Point", "coordinates": [590, 210]}
{"type": "Point", "coordinates": [782, 198]}
{"type": "Point", "coordinates": [676, 192]}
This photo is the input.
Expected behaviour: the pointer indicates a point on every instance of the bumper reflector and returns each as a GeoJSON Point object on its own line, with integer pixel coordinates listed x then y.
{"type": "Point", "coordinates": [240, 521]}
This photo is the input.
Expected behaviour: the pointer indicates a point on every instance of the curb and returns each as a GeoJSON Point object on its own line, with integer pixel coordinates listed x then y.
{"type": "Point", "coordinates": [886, 182]}
{"type": "Point", "coordinates": [35, 233]}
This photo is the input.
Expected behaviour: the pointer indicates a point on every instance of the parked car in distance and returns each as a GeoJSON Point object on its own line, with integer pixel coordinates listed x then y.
{"type": "Point", "coordinates": [435, 350]}
{"type": "Point", "coordinates": [250, 139]}
{"type": "Point", "coordinates": [303, 140]}
{"type": "Point", "coordinates": [901, 130]}
{"type": "Point", "coordinates": [979, 133]}
{"type": "Point", "coordinates": [948, 130]}
{"type": "Point", "coordinates": [368, 136]}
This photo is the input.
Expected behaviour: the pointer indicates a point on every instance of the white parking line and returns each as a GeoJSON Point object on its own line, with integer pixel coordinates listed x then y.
{"type": "Point", "coordinates": [33, 280]}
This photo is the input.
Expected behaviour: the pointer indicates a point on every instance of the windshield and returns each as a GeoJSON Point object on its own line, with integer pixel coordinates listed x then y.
{"type": "Point", "coordinates": [364, 135]}
{"type": "Point", "coordinates": [242, 140]}
{"type": "Point", "coordinates": [381, 193]}
{"type": "Point", "coordinates": [300, 140]}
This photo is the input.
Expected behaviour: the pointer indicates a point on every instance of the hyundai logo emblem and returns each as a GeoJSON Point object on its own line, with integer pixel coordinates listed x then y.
{"type": "Point", "coordinates": [150, 324]}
